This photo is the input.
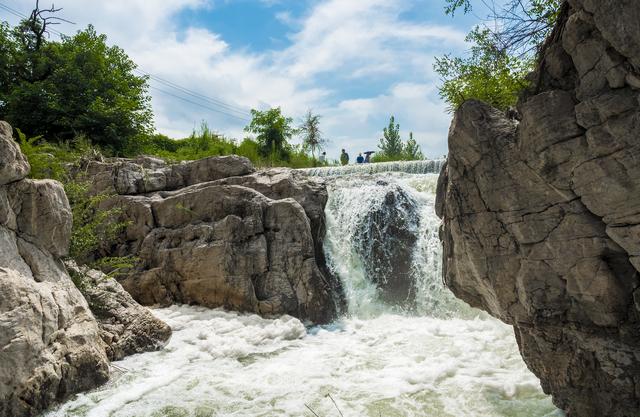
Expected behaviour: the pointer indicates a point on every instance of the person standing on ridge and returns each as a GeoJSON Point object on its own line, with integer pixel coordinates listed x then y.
{"type": "Point", "coordinates": [344, 157]}
{"type": "Point", "coordinates": [322, 158]}
{"type": "Point", "coordinates": [360, 159]}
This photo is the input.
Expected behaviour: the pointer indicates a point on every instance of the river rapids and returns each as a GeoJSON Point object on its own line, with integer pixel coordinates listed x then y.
{"type": "Point", "coordinates": [430, 356]}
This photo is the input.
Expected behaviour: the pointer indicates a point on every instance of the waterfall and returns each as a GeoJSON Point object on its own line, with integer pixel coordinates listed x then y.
{"type": "Point", "coordinates": [363, 215]}
{"type": "Point", "coordinates": [432, 166]}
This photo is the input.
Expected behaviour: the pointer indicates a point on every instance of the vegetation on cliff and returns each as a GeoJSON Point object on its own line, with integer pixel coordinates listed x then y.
{"type": "Point", "coordinates": [501, 55]}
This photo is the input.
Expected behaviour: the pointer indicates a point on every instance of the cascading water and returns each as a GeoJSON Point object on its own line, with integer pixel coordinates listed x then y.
{"type": "Point", "coordinates": [358, 245]}
{"type": "Point", "coordinates": [432, 166]}
{"type": "Point", "coordinates": [420, 353]}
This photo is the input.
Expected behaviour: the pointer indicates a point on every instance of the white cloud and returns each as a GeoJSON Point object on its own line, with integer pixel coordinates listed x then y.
{"type": "Point", "coordinates": [336, 40]}
{"type": "Point", "coordinates": [415, 107]}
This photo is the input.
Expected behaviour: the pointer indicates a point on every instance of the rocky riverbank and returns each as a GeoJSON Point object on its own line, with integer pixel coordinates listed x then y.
{"type": "Point", "coordinates": [541, 215]}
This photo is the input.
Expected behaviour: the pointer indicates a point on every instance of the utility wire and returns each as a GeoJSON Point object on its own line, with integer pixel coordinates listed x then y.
{"type": "Point", "coordinates": [227, 109]}
{"type": "Point", "coordinates": [216, 102]}
{"type": "Point", "coordinates": [200, 105]}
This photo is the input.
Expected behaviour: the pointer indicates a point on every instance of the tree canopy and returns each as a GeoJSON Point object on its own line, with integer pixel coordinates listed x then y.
{"type": "Point", "coordinates": [77, 86]}
{"type": "Point", "coordinates": [390, 142]}
{"type": "Point", "coordinates": [273, 132]}
{"type": "Point", "coordinates": [393, 148]}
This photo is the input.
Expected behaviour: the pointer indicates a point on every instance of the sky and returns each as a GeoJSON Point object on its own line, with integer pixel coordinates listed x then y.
{"type": "Point", "coordinates": [354, 62]}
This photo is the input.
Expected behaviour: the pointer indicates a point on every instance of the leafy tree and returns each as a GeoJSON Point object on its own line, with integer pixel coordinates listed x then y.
{"type": "Point", "coordinates": [76, 86]}
{"type": "Point", "coordinates": [488, 74]}
{"type": "Point", "coordinates": [500, 58]}
{"type": "Point", "coordinates": [391, 144]}
{"type": "Point", "coordinates": [273, 132]}
{"type": "Point", "coordinates": [412, 151]}
{"type": "Point", "coordinates": [312, 136]}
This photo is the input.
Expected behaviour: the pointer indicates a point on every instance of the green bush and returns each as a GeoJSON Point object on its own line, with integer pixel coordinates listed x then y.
{"type": "Point", "coordinates": [92, 227]}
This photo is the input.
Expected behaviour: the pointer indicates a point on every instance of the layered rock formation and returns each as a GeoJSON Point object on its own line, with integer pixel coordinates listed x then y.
{"type": "Point", "coordinates": [50, 343]}
{"type": "Point", "coordinates": [541, 216]}
{"type": "Point", "coordinates": [215, 233]}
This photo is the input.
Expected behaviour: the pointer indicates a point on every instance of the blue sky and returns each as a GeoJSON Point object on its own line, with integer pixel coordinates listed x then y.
{"type": "Point", "coordinates": [355, 62]}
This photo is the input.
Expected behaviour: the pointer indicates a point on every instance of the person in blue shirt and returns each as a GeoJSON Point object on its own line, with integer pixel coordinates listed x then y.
{"type": "Point", "coordinates": [360, 159]}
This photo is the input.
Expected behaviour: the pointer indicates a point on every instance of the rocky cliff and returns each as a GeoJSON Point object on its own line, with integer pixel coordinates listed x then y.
{"type": "Point", "coordinates": [541, 216]}
{"type": "Point", "coordinates": [51, 345]}
{"type": "Point", "coordinates": [216, 233]}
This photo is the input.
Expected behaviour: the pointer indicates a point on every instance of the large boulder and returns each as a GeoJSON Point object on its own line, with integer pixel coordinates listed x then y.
{"type": "Point", "coordinates": [147, 175]}
{"type": "Point", "coordinates": [51, 345]}
{"type": "Point", "coordinates": [13, 164]}
{"type": "Point", "coordinates": [387, 242]}
{"type": "Point", "coordinates": [222, 236]}
{"type": "Point", "coordinates": [540, 216]}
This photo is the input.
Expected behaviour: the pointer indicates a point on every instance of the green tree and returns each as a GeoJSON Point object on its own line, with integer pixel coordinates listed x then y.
{"type": "Point", "coordinates": [273, 132]}
{"type": "Point", "coordinates": [501, 56]}
{"type": "Point", "coordinates": [391, 144]}
{"type": "Point", "coordinates": [312, 138]}
{"type": "Point", "coordinates": [78, 86]}
{"type": "Point", "coordinates": [488, 74]}
{"type": "Point", "coordinates": [412, 151]}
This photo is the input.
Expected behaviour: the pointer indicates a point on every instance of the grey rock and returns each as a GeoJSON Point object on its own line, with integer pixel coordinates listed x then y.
{"type": "Point", "coordinates": [146, 175]}
{"type": "Point", "coordinates": [13, 164]}
{"type": "Point", "coordinates": [42, 213]}
{"type": "Point", "coordinates": [389, 233]}
{"type": "Point", "coordinates": [215, 233]}
{"type": "Point", "coordinates": [541, 218]}
{"type": "Point", "coordinates": [51, 345]}
{"type": "Point", "coordinates": [125, 326]}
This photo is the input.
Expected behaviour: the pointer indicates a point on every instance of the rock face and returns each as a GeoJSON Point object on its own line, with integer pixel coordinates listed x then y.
{"type": "Point", "coordinates": [216, 233]}
{"type": "Point", "coordinates": [50, 343]}
{"type": "Point", "coordinates": [541, 217]}
{"type": "Point", "coordinates": [125, 326]}
{"type": "Point", "coordinates": [50, 346]}
{"type": "Point", "coordinates": [387, 245]}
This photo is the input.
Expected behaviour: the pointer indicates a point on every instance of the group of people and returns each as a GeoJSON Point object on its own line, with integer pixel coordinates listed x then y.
{"type": "Point", "coordinates": [344, 157]}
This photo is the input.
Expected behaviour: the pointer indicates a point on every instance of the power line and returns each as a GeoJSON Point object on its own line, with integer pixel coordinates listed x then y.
{"type": "Point", "coordinates": [214, 101]}
{"type": "Point", "coordinates": [200, 105]}
{"type": "Point", "coordinates": [240, 113]}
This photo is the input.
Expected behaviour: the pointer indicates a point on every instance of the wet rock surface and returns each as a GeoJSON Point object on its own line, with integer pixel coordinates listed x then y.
{"type": "Point", "coordinates": [125, 326]}
{"type": "Point", "coordinates": [222, 236]}
{"type": "Point", "coordinates": [387, 244]}
{"type": "Point", "coordinates": [541, 216]}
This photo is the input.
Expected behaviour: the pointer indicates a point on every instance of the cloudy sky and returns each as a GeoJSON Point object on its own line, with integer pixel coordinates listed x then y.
{"type": "Point", "coordinates": [355, 62]}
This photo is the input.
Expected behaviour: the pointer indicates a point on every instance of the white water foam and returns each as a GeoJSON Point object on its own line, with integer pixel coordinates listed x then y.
{"type": "Point", "coordinates": [443, 360]}
{"type": "Point", "coordinates": [225, 364]}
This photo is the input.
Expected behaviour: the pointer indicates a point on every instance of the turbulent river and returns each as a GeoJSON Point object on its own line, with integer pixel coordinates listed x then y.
{"type": "Point", "coordinates": [434, 357]}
